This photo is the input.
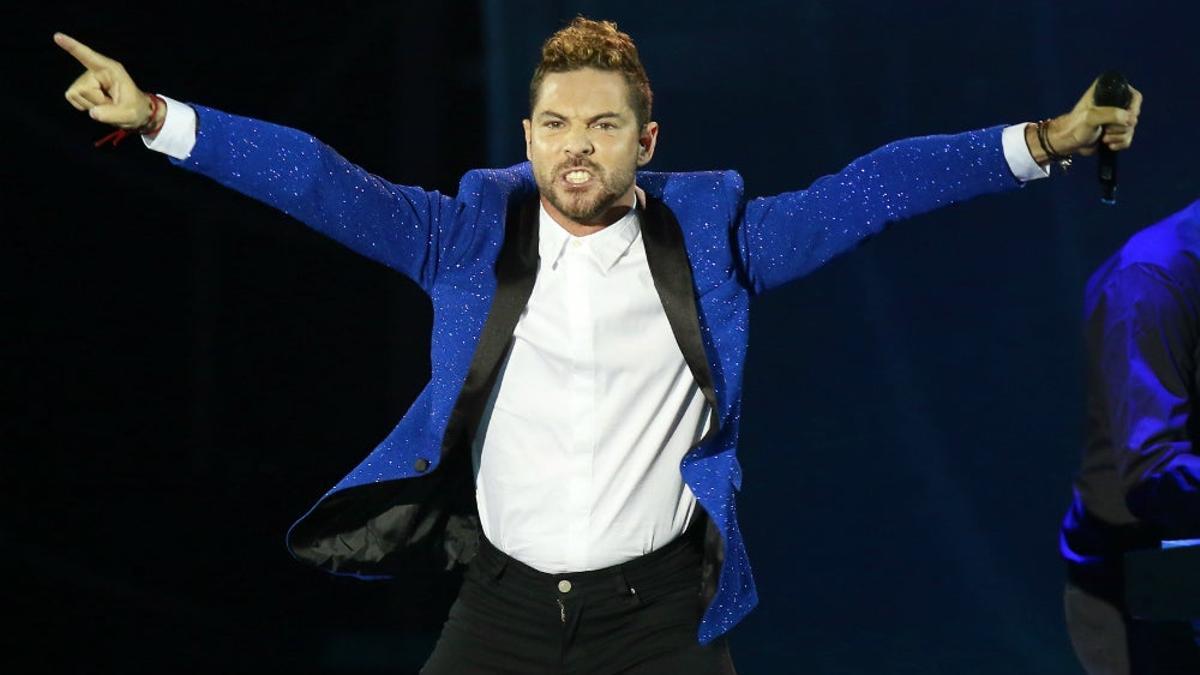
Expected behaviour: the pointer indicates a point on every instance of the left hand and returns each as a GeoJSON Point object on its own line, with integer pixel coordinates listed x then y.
{"type": "Point", "coordinates": [1088, 125]}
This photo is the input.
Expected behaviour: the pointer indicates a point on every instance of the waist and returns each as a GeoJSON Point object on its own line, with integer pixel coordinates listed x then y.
{"type": "Point", "coordinates": [677, 563]}
{"type": "Point", "coordinates": [564, 532]}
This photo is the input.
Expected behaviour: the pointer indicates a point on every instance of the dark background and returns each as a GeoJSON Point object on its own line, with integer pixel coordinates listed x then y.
{"type": "Point", "coordinates": [187, 370]}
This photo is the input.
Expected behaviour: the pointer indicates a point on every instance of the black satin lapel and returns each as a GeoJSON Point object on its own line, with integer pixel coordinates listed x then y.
{"type": "Point", "coordinates": [516, 271]}
{"type": "Point", "coordinates": [672, 274]}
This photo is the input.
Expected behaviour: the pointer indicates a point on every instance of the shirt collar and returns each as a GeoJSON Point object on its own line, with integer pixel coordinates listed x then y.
{"type": "Point", "coordinates": [605, 247]}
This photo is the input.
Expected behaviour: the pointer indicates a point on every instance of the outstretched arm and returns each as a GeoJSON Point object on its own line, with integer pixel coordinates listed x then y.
{"type": "Point", "coordinates": [401, 227]}
{"type": "Point", "coordinates": [784, 237]}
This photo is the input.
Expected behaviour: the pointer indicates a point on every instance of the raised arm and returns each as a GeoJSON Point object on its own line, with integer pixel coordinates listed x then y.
{"type": "Point", "coordinates": [402, 227]}
{"type": "Point", "coordinates": [786, 236]}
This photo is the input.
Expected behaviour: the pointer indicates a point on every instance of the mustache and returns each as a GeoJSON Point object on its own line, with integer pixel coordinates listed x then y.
{"type": "Point", "coordinates": [581, 163]}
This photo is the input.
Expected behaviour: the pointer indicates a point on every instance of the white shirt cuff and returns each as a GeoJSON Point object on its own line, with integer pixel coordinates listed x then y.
{"type": "Point", "coordinates": [178, 134]}
{"type": "Point", "coordinates": [1020, 160]}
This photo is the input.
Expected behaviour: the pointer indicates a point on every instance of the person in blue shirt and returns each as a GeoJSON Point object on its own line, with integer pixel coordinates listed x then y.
{"type": "Point", "coordinates": [1139, 483]}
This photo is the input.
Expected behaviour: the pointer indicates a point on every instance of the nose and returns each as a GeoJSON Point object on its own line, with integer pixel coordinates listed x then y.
{"type": "Point", "coordinates": [578, 143]}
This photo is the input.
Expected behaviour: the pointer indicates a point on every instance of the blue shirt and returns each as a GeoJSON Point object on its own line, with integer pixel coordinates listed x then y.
{"type": "Point", "coordinates": [1140, 478]}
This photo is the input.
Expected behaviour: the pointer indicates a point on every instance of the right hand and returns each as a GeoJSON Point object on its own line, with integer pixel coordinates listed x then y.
{"type": "Point", "coordinates": [1087, 125]}
{"type": "Point", "coordinates": [105, 90]}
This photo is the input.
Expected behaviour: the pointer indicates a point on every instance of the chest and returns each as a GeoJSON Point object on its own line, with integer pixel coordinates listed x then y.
{"type": "Point", "coordinates": [599, 318]}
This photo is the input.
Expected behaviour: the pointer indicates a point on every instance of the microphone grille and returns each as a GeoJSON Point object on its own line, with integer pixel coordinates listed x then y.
{"type": "Point", "coordinates": [1112, 90]}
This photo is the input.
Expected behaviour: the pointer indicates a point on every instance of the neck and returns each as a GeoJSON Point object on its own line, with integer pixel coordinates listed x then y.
{"type": "Point", "coordinates": [610, 215]}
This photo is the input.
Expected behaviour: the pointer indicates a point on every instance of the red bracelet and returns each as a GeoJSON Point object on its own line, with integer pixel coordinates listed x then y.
{"type": "Point", "coordinates": [120, 134]}
{"type": "Point", "coordinates": [155, 101]}
{"type": "Point", "coordinates": [116, 137]}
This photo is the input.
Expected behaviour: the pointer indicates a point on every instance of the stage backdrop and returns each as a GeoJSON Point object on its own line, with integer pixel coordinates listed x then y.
{"type": "Point", "coordinates": [188, 370]}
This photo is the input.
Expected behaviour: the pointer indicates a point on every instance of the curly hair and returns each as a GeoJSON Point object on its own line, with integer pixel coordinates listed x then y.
{"type": "Point", "coordinates": [585, 43]}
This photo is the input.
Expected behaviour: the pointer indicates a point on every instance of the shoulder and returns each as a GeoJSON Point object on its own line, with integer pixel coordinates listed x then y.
{"type": "Point", "coordinates": [710, 200]}
{"type": "Point", "coordinates": [1165, 254]}
{"type": "Point", "coordinates": [675, 185]}
{"type": "Point", "coordinates": [479, 185]}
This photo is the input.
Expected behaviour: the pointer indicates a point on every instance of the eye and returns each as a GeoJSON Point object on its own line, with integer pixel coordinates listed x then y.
{"type": "Point", "coordinates": [553, 124]}
{"type": "Point", "coordinates": [606, 126]}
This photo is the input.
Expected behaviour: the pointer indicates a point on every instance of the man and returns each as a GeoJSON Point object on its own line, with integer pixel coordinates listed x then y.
{"type": "Point", "coordinates": [588, 345]}
{"type": "Point", "coordinates": [1140, 480]}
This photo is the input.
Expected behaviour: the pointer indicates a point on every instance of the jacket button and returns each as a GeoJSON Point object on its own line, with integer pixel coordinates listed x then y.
{"type": "Point", "coordinates": [421, 465]}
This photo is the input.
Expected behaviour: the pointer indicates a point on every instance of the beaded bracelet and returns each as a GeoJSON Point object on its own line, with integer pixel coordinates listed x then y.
{"type": "Point", "coordinates": [1043, 134]}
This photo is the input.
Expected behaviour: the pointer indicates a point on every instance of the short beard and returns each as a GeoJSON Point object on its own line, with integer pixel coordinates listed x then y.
{"type": "Point", "coordinates": [612, 188]}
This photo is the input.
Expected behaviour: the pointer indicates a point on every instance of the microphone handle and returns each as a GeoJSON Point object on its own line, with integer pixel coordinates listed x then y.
{"type": "Point", "coordinates": [1107, 172]}
{"type": "Point", "coordinates": [1111, 90]}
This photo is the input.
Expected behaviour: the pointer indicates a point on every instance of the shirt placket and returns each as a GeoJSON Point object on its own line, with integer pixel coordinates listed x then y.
{"type": "Point", "coordinates": [582, 388]}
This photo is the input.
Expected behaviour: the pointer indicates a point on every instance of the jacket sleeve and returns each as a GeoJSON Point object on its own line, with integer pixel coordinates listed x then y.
{"type": "Point", "coordinates": [1141, 338]}
{"type": "Point", "coordinates": [784, 237]}
{"type": "Point", "coordinates": [402, 227]}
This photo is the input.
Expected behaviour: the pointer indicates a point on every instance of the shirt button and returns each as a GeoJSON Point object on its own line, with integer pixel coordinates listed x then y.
{"type": "Point", "coordinates": [576, 243]}
{"type": "Point", "coordinates": [421, 465]}
{"type": "Point", "coordinates": [564, 586]}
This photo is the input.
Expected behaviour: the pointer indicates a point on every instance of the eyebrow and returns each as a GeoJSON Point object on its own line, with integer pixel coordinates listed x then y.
{"type": "Point", "coordinates": [592, 119]}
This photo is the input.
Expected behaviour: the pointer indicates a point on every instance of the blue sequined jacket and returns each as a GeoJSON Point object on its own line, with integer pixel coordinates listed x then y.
{"type": "Point", "coordinates": [710, 250]}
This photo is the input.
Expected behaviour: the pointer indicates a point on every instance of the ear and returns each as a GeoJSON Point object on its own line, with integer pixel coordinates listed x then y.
{"type": "Point", "coordinates": [528, 128]}
{"type": "Point", "coordinates": [647, 141]}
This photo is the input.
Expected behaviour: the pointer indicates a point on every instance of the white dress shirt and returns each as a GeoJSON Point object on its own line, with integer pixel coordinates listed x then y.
{"type": "Point", "coordinates": [577, 456]}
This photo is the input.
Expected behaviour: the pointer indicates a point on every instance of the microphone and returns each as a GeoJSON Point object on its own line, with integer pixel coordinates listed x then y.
{"type": "Point", "coordinates": [1111, 90]}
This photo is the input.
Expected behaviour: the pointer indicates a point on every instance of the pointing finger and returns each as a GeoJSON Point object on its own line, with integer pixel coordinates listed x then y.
{"type": "Point", "coordinates": [90, 59]}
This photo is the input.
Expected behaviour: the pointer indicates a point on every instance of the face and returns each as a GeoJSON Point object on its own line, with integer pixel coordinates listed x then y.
{"type": "Point", "coordinates": [585, 145]}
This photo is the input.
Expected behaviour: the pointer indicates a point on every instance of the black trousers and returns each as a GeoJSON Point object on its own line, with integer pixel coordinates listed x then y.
{"type": "Point", "coordinates": [638, 618]}
{"type": "Point", "coordinates": [1108, 641]}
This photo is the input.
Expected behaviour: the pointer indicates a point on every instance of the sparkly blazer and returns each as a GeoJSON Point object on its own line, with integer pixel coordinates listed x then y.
{"type": "Point", "coordinates": [709, 249]}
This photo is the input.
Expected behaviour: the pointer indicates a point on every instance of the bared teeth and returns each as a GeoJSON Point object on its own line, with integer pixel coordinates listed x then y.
{"type": "Point", "coordinates": [577, 177]}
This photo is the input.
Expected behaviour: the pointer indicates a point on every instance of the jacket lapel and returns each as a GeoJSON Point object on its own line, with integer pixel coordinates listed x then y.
{"type": "Point", "coordinates": [516, 271]}
{"type": "Point", "coordinates": [672, 274]}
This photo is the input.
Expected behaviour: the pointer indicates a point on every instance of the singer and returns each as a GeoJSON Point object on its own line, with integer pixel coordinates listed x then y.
{"type": "Point", "coordinates": [576, 445]}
